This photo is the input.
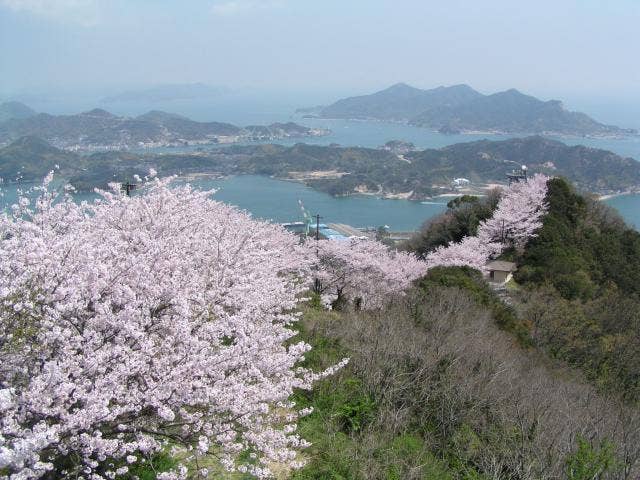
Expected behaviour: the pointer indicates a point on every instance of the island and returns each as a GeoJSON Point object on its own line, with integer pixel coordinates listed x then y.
{"type": "Point", "coordinates": [461, 109]}
{"type": "Point", "coordinates": [98, 129]}
{"type": "Point", "coordinates": [414, 174]}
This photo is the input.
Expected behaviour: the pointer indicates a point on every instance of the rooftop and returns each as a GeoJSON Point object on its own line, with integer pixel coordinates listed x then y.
{"type": "Point", "coordinates": [501, 266]}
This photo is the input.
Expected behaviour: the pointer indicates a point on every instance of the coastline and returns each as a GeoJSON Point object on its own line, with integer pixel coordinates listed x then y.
{"type": "Point", "coordinates": [483, 132]}
{"type": "Point", "coordinates": [619, 194]}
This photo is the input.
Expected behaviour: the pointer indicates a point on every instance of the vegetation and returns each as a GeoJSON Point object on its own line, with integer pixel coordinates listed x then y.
{"type": "Point", "coordinates": [99, 129]}
{"type": "Point", "coordinates": [446, 378]}
{"type": "Point", "coordinates": [9, 110]}
{"type": "Point", "coordinates": [461, 219]}
{"type": "Point", "coordinates": [435, 389]}
{"type": "Point", "coordinates": [582, 274]}
{"type": "Point", "coordinates": [579, 279]}
{"type": "Point", "coordinates": [460, 107]}
{"type": "Point", "coordinates": [165, 335]}
{"type": "Point", "coordinates": [346, 170]}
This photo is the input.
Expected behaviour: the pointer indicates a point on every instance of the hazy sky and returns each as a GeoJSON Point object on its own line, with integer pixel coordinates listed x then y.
{"type": "Point", "coordinates": [546, 47]}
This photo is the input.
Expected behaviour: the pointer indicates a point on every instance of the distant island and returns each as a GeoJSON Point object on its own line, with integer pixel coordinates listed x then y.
{"type": "Point", "coordinates": [100, 130]}
{"type": "Point", "coordinates": [412, 174]}
{"type": "Point", "coordinates": [461, 109]}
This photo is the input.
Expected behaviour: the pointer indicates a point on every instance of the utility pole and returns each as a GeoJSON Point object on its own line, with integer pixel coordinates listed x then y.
{"type": "Point", "coordinates": [128, 187]}
{"type": "Point", "coordinates": [316, 286]}
{"type": "Point", "coordinates": [318, 217]}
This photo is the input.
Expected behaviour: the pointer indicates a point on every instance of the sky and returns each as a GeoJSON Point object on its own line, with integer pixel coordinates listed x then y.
{"type": "Point", "coordinates": [574, 49]}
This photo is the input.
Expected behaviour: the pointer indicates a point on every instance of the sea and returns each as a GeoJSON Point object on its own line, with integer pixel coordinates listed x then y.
{"type": "Point", "coordinates": [277, 200]}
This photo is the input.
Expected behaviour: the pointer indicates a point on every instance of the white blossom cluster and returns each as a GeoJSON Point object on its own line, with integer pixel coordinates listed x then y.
{"type": "Point", "coordinates": [365, 271]}
{"type": "Point", "coordinates": [130, 325]}
{"type": "Point", "coordinates": [516, 219]}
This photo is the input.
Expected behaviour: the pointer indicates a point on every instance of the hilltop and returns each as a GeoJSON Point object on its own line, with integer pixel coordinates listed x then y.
{"type": "Point", "coordinates": [416, 175]}
{"type": "Point", "coordinates": [99, 129]}
{"type": "Point", "coordinates": [399, 102]}
{"type": "Point", "coordinates": [17, 110]}
{"type": "Point", "coordinates": [30, 159]}
{"type": "Point", "coordinates": [460, 108]}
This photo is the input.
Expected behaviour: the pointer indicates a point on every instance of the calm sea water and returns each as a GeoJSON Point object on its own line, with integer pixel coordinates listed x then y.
{"type": "Point", "coordinates": [277, 200]}
{"type": "Point", "coordinates": [375, 134]}
{"type": "Point", "coordinates": [629, 208]}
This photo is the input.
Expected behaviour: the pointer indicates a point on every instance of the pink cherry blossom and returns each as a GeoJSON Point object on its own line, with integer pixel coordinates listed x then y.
{"type": "Point", "coordinates": [519, 213]}
{"type": "Point", "coordinates": [517, 217]}
{"type": "Point", "coordinates": [130, 324]}
{"type": "Point", "coordinates": [365, 271]}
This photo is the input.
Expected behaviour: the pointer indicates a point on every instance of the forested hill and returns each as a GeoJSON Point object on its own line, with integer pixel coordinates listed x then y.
{"type": "Point", "coordinates": [577, 296]}
{"type": "Point", "coordinates": [461, 108]}
{"type": "Point", "coordinates": [342, 170]}
{"type": "Point", "coordinates": [457, 380]}
{"type": "Point", "coordinates": [98, 129]}
{"type": "Point", "coordinates": [17, 110]}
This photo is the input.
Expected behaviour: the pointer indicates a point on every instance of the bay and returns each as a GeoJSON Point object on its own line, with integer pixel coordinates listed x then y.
{"type": "Point", "coordinates": [277, 200]}
{"type": "Point", "coordinates": [629, 207]}
{"type": "Point", "coordinates": [349, 133]}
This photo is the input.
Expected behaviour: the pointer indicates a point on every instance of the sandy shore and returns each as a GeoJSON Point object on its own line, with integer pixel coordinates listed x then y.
{"type": "Point", "coordinates": [613, 195]}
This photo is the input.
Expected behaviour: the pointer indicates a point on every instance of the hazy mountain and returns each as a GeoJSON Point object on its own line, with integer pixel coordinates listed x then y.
{"type": "Point", "coordinates": [460, 108]}
{"type": "Point", "coordinates": [513, 112]}
{"type": "Point", "coordinates": [399, 102]}
{"type": "Point", "coordinates": [9, 110]}
{"type": "Point", "coordinates": [99, 129]}
{"type": "Point", "coordinates": [163, 93]}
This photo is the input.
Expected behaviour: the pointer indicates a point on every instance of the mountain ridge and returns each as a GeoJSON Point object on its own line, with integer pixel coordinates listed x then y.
{"type": "Point", "coordinates": [98, 129]}
{"type": "Point", "coordinates": [416, 175]}
{"type": "Point", "coordinates": [17, 110]}
{"type": "Point", "coordinates": [460, 108]}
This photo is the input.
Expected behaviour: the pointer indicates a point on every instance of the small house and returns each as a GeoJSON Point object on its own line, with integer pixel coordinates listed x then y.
{"type": "Point", "coordinates": [460, 182]}
{"type": "Point", "coordinates": [500, 271]}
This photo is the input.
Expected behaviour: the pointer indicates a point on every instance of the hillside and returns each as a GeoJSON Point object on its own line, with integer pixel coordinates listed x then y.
{"type": "Point", "coordinates": [30, 159]}
{"type": "Point", "coordinates": [421, 174]}
{"type": "Point", "coordinates": [420, 372]}
{"type": "Point", "coordinates": [460, 108]}
{"type": "Point", "coordinates": [578, 294]}
{"type": "Point", "coordinates": [100, 130]}
{"type": "Point", "coordinates": [17, 110]}
{"type": "Point", "coordinates": [470, 383]}
{"type": "Point", "coordinates": [351, 170]}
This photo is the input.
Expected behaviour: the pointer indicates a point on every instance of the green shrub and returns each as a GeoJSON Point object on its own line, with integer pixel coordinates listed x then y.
{"type": "Point", "coordinates": [589, 462]}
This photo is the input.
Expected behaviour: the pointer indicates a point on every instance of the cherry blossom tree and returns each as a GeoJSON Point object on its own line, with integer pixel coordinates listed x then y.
{"type": "Point", "coordinates": [132, 325]}
{"type": "Point", "coordinates": [470, 251]}
{"type": "Point", "coordinates": [363, 271]}
{"type": "Point", "coordinates": [517, 217]}
{"type": "Point", "coordinates": [519, 213]}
